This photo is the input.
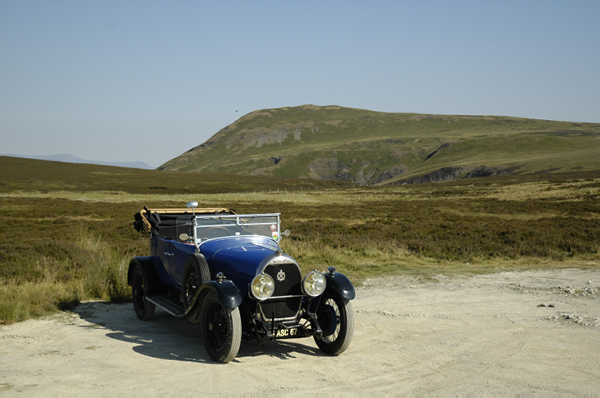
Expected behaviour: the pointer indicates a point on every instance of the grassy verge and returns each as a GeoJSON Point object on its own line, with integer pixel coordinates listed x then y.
{"type": "Point", "coordinates": [91, 269]}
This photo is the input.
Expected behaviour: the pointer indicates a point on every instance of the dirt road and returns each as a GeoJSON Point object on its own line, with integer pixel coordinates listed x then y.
{"type": "Point", "coordinates": [527, 332]}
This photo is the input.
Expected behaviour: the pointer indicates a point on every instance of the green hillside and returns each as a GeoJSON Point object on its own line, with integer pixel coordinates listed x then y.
{"type": "Point", "coordinates": [372, 148]}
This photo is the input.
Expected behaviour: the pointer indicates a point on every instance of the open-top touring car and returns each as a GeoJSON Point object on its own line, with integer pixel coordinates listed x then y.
{"type": "Point", "coordinates": [227, 272]}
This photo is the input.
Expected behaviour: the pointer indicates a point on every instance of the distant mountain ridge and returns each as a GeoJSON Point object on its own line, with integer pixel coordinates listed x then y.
{"type": "Point", "coordinates": [370, 148]}
{"type": "Point", "coordinates": [68, 158]}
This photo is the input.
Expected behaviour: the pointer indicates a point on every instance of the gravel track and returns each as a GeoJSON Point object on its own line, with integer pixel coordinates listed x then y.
{"type": "Point", "coordinates": [506, 333]}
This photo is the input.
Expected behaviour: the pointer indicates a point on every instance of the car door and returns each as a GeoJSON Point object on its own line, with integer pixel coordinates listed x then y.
{"type": "Point", "coordinates": [181, 252]}
{"type": "Point", "coordinates": [165, 253]}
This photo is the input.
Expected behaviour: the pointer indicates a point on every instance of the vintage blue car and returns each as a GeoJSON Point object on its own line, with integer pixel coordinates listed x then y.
{"type": "Point", "coordinates": [227, 272]}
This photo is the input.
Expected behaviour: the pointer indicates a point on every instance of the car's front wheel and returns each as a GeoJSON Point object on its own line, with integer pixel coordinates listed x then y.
{"type": "Point", "coordinates": [143, 308]}
{"type": "Point", "coordinates": [336, 319]}
{"type": "Point", "coordinates": [221, 329]}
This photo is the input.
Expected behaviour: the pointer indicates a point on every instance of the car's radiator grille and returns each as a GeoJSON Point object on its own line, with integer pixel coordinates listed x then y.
{"type": "Point", "coordinates": [288, 281]}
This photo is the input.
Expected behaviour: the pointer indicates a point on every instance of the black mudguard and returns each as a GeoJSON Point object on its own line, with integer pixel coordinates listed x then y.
{"type": "Point", "coordinates": [227, 292]}
{"type": "Point", "coordinates": [148, 265]}
{"type": "Point", "coordinates": [340, 284]}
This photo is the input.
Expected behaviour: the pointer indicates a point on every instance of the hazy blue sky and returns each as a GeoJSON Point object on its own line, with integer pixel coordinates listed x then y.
{"type": "Point", "coordinates": [148, 80]}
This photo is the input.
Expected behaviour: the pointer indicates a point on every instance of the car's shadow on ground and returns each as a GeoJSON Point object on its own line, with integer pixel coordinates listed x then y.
{"type": "Point", "coordinates": [166, 337]}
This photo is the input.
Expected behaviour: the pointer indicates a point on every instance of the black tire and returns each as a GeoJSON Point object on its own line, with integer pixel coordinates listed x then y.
{"type": "Point", "coordinates": [195, 273]}
{"type": "Point", "coordinates": [143, 308]}
{"type": "Point", "coordinates": [221, 329]}
{"type": "Point", "coordinates": [336, 319]}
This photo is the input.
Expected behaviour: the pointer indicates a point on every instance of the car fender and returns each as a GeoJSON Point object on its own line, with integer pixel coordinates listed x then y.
{"type": "Point", "coordinates": [340, 284]}
{"type": "Point", "coordinates": [148, 266]}
{"type": "Point", "coordinates": [226, 291]}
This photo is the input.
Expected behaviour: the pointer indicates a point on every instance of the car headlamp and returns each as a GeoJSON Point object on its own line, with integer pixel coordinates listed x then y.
{"type": "Point", "coordinates": [314, 283]}
{"type": "Point", "coordinates": [262, 286]}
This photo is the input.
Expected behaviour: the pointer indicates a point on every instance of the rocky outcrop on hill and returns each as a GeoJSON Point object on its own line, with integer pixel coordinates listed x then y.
{"type": "Point", "coordinates": [487, 171]}
{"type": "Point", "coordinates": [451, 173]}
{"type": "Point", "coordinates": [333, 169]}
{"type": "Point", "coordinates": [443, 174]}
{"type": "Point", "coordinates": [389, 174]}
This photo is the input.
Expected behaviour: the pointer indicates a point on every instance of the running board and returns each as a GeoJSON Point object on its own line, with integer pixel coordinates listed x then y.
{"type": "Point", "coordinates": [168, 304]}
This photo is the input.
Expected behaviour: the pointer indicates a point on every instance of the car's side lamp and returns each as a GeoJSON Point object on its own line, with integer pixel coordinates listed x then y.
{"type": "Point", "coordinates": [286, 232]}
{"type": "Point", "coordinates": [184, 237]}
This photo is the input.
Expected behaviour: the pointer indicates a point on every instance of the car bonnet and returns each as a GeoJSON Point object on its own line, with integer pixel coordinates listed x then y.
{"type": "Point", "coordinates": [238, 254]}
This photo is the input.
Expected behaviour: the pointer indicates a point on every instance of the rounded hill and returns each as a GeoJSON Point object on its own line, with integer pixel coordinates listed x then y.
{"type": "Point", "coordinates": [369, 148]}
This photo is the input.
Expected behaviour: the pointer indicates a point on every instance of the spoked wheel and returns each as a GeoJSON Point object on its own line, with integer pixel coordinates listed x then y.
{"type": "Point", "coordinates": [191, 285]}
{"type": "Point", "coordinates": [221, 329]}
{"type": "Point", "coordinates": [143, 308]}
{"type": "Point", "coordinates": [336, 319]}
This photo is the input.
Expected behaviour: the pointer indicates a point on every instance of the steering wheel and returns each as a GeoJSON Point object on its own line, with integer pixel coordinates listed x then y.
{"type": "Point", "coordinates": [202, 234]}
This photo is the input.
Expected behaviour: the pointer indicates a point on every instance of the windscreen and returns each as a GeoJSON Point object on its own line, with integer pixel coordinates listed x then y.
{"type": "Point", "coordinates": [210, 227]}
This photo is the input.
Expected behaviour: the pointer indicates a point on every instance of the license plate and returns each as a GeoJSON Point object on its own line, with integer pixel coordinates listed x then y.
{"type": "Point", "coordinates": [283, 333]}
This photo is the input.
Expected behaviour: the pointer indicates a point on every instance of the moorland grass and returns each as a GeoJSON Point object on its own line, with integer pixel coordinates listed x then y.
{"type": "Point", "coordinates": [61, 246]}
{"type": "Point", "coordinates": [63, 274]}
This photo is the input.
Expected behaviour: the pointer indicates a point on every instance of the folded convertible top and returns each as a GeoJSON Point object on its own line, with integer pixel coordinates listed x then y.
{"type": "Point", "coordinates": [148, 220]}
